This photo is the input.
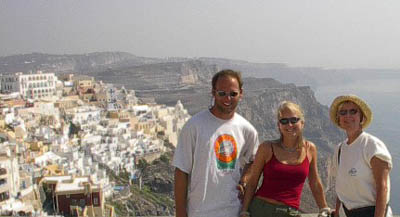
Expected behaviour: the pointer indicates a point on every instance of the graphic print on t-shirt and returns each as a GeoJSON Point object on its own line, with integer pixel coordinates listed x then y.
{"type": "Point", "coordinates": [225, 148]}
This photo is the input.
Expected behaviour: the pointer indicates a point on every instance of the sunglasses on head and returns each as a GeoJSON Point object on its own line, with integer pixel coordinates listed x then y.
{"type": "Point", "coordinates": [350, 111]}
{"type": "Point", "coordinates": [292, 120]}
{"type": "Point", "coordinates": [222, 93]}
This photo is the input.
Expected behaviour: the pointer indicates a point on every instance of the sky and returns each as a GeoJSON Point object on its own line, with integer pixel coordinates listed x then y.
{"type": "Point", "coordinates": [309, 33]}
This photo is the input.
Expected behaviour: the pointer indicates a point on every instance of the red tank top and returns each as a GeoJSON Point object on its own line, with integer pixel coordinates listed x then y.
{"type": "Point", "coordinates": [283, 182]}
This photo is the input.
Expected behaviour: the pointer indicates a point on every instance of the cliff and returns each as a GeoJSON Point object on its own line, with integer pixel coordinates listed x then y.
{"type": "Point", "coordinates": [159, 77]}
{"type": "Point", "coordinates": [71, 63]}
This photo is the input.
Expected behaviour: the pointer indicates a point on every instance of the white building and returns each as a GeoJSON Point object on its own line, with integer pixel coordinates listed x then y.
{"type": "Point", "coordinates": [47, 159]}
{"type": "Point", "coordinates": [85, 116]}
{"type": "Point", "coordinates": [30, 86]}
{"type": "Point", "coordinates": [9, 178]}
{"type": "Point", "coordinates": [171, 120]}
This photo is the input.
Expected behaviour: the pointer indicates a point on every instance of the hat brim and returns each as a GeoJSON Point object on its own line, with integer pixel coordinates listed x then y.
{"type": "Point", "coordinates": [356, 100]}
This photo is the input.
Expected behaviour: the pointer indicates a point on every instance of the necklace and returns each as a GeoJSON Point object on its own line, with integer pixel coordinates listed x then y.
{"type": "Point", "coordinates": [291, 150]}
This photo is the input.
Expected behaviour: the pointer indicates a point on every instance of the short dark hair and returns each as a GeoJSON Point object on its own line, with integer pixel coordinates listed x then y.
{"type": "Point", "coordinates": [227, 73]}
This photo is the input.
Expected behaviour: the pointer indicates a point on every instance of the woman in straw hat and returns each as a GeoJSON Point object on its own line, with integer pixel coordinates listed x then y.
{"type": "Point", "coordinates": [362, 162]}
{"type": "Point", "coordinates": [285, 164]}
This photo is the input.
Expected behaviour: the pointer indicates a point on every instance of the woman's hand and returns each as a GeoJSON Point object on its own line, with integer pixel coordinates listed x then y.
{"type": "Point", "coordinates": [324, 212]}
{"type": "Point", "coordinates": [244, 214]}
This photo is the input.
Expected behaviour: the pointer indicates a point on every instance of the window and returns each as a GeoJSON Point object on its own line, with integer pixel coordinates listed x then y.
{"type": "Point", "coordinates": [82, 202]}
{"type": "Point", "coordinates": [95, 201]}
{"type": "Point", "coordinates": [74, 202]}
{"type": "Point", "coordinates": [3, 182]}
{"type": "Point", "coordinates": [4, 196]}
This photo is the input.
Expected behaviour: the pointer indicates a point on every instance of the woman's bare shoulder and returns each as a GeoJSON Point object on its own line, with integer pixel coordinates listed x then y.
{"type": "Point", "coordinates": [268, 145]}
{"type": "Point", "coordinates": [311, 146]}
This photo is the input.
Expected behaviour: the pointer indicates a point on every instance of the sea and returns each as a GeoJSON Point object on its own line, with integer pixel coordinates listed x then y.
{"type": "Point", "coordinates": [383, 96]}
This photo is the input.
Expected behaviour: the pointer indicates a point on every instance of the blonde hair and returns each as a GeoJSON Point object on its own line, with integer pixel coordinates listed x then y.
{"type": "Point", "coordinates": [293, 107]}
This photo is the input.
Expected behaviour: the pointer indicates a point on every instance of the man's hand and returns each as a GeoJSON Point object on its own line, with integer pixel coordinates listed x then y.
{"type": "Point", "coordinates": [241, 187]}
{"type": "Point", "coordinates": [334, 213]}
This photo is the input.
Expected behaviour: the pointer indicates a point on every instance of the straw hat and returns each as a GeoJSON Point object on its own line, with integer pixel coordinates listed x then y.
{"type": "Point", "coordinates": [356, 100]}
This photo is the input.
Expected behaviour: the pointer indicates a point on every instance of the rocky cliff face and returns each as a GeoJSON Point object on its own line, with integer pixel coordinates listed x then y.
{"type": "Point", "coordinates": [84, 63]}
{"type": "Point", "coordinates": [262, 97]}
{"type": "Point", "coordinates": [160, 76]}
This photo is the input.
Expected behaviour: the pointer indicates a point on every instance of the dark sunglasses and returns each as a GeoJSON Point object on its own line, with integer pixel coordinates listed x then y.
{"type": "Point", "coordinates": [351, 112]}
{"type": "Point", "coordinates": [292, 120]}
{"type": "Point", "coordinates": [222, 93]}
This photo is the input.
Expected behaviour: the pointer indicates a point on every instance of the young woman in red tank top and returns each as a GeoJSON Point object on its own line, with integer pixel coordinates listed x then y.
{"type": "Point", "coordinates": [285, 164]}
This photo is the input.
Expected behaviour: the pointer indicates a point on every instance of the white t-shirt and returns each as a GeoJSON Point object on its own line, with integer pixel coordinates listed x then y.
{"type": "Point", "coordinates": [213, 151]}
{"type": "Point", "coordinates": [355, 184]}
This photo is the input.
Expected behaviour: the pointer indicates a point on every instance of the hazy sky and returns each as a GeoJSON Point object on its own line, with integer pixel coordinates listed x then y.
{"type": "Point", "coordinates": [327, 33]}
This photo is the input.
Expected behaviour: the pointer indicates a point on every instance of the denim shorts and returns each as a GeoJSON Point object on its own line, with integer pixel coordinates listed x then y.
{"type": "Point", "coordinates": [261, 208]}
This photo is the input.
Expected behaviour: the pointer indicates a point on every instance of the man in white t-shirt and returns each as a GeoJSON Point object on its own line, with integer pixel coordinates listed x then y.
{"type": "Point", "coordinates": [215, 147]}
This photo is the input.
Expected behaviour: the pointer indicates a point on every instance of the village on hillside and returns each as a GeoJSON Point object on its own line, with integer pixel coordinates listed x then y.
{"type": "Point", "coordinates": [60, 133]}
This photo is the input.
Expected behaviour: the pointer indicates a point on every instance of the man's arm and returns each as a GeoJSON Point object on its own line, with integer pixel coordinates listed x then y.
{"type": "Point", "coordinates": [180, 188]}
{"type": "Point", "coordinates": [244, 179]}
{"type": "Point", "coordinates": [246, 172]}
